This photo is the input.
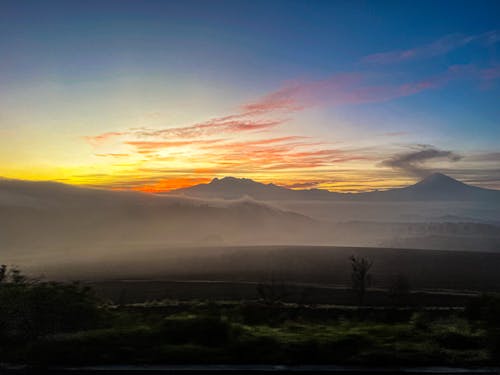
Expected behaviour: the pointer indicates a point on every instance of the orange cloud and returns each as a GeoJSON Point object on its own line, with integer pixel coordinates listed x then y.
{"type": "Point", "coordinates": [229, 124]}
{"type": "Point", "coordinates": [340, 89]}
{"type": "Point", "coordinates": [169, 184]}
{"type": "Point", "coordinates": [97, 140]}
{"type": "Point", "coordinates": [230, 154]}
{"type": "Point", "coordinates": [113, 155]}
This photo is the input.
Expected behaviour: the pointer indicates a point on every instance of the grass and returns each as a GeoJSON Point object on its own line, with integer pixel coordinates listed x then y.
{"type": "Point", "coordinates": [211, 334]}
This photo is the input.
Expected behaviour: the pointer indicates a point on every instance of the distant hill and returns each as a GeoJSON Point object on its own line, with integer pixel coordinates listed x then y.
{"type": "Point", "coordinates": [46, 214]}
{"type": "Point", "coordinates": [46, 218]}
{"type": "Point", "coordinates": [234, 188]}
{"type": "Point", "coordinates": [436, 187]}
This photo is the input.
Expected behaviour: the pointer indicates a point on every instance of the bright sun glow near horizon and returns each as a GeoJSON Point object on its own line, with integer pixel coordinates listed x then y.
{"type": "Point", "coordinates": [124, 95]}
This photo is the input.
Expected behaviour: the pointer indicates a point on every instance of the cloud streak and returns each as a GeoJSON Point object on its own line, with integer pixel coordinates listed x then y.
{"type": "Point", "coordinates": [98, 140]}
{"type": "Point", "coordinates": [168, 184]}
{"type": "Point", "coordinates": [439, 47]}
{"type": "Point", "coordinates": [240, 142]}
{"type": "Point", "coordinates": [216, 126]}
{"type": "Point", "coordinates": [413, 162]}
{"type": "Point", "coordinates": [353, 89]}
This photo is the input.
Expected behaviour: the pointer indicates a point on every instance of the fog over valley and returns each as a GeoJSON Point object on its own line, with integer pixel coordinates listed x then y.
{"type": "Point", "coordinates": [48, 223]}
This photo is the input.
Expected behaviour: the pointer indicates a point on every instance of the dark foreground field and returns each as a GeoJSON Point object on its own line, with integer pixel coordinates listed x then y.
{"type": "Point", "coordinates": [142, 291]}
{"type": "Point", "coordinates": [318, 265]}
{"type": "Point", "coordinates": [255, 333]}
{"type": "Point", "coordinates": [263, 306]}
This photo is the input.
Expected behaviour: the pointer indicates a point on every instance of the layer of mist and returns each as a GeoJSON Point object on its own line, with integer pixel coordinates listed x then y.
{"type": "Point", "coordinates": [46, 223]}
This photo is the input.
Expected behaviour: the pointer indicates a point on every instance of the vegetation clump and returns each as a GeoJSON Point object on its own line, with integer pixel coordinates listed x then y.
{"type": "Point", "coordinates": [30, 309]}
{"type": "Point", "coordinates": [48, 323]}
{"type": "Point", "coordinates": [361, 279]}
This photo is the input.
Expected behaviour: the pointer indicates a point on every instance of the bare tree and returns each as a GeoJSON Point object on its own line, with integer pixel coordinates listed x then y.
{"type": "Point", "coordinates": [360, 276]}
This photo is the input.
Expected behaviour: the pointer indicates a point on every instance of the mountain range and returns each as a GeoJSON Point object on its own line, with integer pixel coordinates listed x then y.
{"type": "Point", "coordinates": [435, 187]}
{"type": "Point", "coordinates": [42, 218]}
{"type": "Point", "coordinates": [53, 215]}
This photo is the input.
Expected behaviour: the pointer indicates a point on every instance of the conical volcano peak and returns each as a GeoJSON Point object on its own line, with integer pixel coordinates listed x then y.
{"type": "Point", "coordinates": [439, 178]}
{"type": "Point", "coordinates": [434, 187]}
{"type": "Point", "coordinates": [440, 184]}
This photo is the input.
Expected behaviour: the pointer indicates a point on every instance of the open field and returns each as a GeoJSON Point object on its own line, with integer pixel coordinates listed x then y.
{"type": "Point", "coordinates": [206, 306]}
{"type": "Point", "coordinates": [140, 291]}
{"type": "Point", "coordinates": [318, 265]}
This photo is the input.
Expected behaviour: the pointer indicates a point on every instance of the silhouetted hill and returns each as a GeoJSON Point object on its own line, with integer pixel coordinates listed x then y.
{"type": "Point", "coordinates": [234, 188]}
{"type": "Point", "coordinates": [436, 187]}
{"type": "Point", "coordinates": [40, 217]}
{"type": "Point", "coordinates": [47, 214]}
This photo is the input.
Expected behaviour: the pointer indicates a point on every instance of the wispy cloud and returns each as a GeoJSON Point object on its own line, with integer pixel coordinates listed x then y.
{"type": "Point", "coordinates": [351, 89]}
{"type": "Point", "coordinates": [229, 124]}
{"type": "Point", "coordinates": [97, 140]}
{"type": "Point", "coordinates": [438, 47]}
{"type": "Point", "coordinates": [245, 141]}
{"type": "Point", "coordinates": [114, 155]}
{"type": "Point", "coordinates": [413, 162]}
{"type": "Point", "coordinates": [493, 157]}
{"type": "Point", "coordinates": [395, 134]}
{"type": "Point", "coordinates": [146, 146]}
{"type": "Point", "coordinates": [195, 145]}
{"type": "Point", "coordinates": [489, 74]}
{"type": "Point", "coordinates": [168, 184]}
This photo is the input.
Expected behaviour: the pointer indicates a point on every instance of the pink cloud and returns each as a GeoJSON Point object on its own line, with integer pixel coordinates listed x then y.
{"type": "Point", "coordinates": [229, 124]}
{"type": "Point", "coordinates": [340, 90]}
{"type": "Point", "coordinates": [146, 147]}
{"type": "Point", "coordinates": [441, 46]}
{"type": "Point", "coordinates": [297, 96]}
{"type": "Point", "coordinates": [490, 74]}
{"type": "Point", "coordinates": [97, 140]}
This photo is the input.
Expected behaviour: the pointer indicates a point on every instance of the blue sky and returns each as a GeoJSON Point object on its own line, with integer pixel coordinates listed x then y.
{"type": "Point", "coordinates": [362, 81]}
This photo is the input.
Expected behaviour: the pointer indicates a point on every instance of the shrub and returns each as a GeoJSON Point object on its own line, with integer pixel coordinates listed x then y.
{"type": "Point", "coordinates": [486, 307]}
{"type": "Point", "coordinates": [30, 309]}
{"type": "Point", "coordinates": [459, 341]}
{"type": "Point", "coordinates": [420, 320]}
{"type": "Point", "coordinates": [203, 330]}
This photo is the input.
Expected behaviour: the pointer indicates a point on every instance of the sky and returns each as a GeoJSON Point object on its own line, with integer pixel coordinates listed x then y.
{"type": "Point", "coordinates": [338, 95]}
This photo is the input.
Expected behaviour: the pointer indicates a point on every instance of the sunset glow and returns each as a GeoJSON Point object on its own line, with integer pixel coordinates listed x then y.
{"type": "Point", "coordinates": [145, 103]}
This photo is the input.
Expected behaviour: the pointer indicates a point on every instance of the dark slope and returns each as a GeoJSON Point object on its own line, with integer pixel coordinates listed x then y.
{"type": "Point", "coordinates": [234, 188]}
{"type": "Point", "coordinates": [41, 214]}
{"type": "Point", "coordinates": [436, 187]}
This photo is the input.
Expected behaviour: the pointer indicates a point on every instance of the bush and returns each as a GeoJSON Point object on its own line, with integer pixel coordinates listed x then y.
{"type": "Point", "coordinates": [420, 320]}
{"type": "Point", "coordinates": [486, 308]}
{"type": "Point", "coordinates": [30, 309]}
{"type": "Point", "coordinates": [258, 313]}
{"type": "Point", "coordinates": [459, 341]}
{"type": "Point", "coordinates": [203, 330]}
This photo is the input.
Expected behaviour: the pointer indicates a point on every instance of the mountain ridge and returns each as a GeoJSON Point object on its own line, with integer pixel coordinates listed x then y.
{"type": "Point", "coordinates": [436, 186]}
{"type": "Point", "coordinates": [59, 216]}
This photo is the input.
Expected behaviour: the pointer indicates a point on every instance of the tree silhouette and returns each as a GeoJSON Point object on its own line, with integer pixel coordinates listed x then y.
{"type": "Point", "coordinates": [360, 277]}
